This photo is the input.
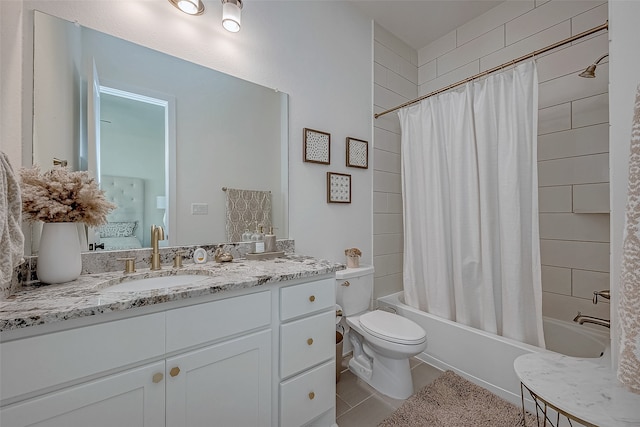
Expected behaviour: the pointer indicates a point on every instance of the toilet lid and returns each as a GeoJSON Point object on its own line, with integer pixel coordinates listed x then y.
{"type": "Point", "coordinates": [393, 328]}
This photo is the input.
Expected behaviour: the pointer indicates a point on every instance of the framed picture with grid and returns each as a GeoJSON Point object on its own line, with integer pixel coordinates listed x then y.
{"type": "Point", "coordinates": [338, 188]}
{"type": "Point", "coordinates": [317, 146]}
{"type": "Point", "coordinates": [357, 153]}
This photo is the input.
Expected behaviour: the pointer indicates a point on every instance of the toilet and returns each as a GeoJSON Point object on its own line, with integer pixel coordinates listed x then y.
{"type": "Point", "coordinates": [382, 341]}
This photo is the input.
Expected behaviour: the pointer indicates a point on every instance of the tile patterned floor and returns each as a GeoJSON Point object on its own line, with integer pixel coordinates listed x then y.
{"type": "Point", "coordinates": [359, 405]}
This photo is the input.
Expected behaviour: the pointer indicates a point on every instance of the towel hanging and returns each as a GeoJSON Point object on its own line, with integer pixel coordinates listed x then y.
{"type": "Point", "coordinates": [245, 209]}
{"type": "Point", "coordinates": [11, 237]}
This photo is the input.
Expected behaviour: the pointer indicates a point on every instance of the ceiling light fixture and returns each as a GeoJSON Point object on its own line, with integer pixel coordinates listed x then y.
{"type": "Point", "coordinates": [231, 15]}
{"type": "Point", "coordinates": [190, 7]}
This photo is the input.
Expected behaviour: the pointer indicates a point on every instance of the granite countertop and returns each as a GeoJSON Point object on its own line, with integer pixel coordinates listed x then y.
{"type": "Point", "coordinates": [585, 388]}
{"type": "Point", "coordinates": [87, 296]}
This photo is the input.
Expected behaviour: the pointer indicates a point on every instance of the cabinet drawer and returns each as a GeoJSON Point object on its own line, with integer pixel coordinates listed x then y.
{"type": "Point", "coordinates": [307, 396]}
{"type": "Point", "coordinates": [307, 342]}
{"type": "Point", "coordinates": [39, 362]}
{"type": "Point", "coordinates": [306, 298]}
{"type": "Point", "coordinates": [211, 321]}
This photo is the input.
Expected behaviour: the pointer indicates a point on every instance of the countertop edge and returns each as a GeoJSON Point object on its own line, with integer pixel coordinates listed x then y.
{"type": "Point", "coordinates": [37, 306]}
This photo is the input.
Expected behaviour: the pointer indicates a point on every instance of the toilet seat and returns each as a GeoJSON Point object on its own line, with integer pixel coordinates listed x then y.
{"type": "Point", "coordinates": [393, 328]}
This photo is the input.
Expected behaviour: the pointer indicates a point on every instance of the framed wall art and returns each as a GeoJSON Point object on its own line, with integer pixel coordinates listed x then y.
{"type": "Point", "coordinates": [357, 153]}
{"type": "Point", "coordinates": [338, 188]}
{"type": "Point", "coordinates": [317, 146]}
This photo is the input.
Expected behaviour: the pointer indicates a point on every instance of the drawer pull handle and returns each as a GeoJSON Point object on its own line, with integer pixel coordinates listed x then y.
{"type": "Point", "coordinates": [310, 341]}
{"type": "Point", "coordinates": [157, 378]}
{"type": "Point", "coordinates": [312, 298]}
{"type": "Point", "coordinates": [346, 283]}
{"type": "Point", "coordinates": [312, 395]}
{"type": "Point", "coordinates": [174, 371]}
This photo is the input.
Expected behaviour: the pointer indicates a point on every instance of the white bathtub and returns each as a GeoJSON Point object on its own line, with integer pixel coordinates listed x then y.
{"type": "Point", "coordinates": [487, 359]}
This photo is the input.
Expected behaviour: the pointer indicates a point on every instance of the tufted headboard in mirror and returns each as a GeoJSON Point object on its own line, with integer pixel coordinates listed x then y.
{"type": "Point", "coordinates": [120, 231]}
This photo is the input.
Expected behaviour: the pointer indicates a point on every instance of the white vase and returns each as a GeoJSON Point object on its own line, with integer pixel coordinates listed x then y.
{"type": "Point", "coordinates": [59, 258]}
{"type": "Point", "coordinates": [353, 261]}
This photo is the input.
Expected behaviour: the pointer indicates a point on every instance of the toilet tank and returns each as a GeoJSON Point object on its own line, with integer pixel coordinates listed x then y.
{"type": "Point", "coordinates": [354, 289]}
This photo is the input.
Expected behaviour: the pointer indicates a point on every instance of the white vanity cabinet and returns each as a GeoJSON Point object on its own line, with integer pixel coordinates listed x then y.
{"type": "Point", "coordinates": [307, 354]}
{"type": "Point", "coordinates": [249, 359]}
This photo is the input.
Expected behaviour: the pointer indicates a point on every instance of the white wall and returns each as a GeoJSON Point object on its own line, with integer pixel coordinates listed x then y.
{"type": "Point", "coordinates": [395, 77]}
{"type": "Point", "coordinates": [318, 52]}
{"type": "Point", "coordinates": [624, 80]}
{"type": "Point", "coordinates": [573, 133]}
{"type": "Point", "coordinates": [11, 78]}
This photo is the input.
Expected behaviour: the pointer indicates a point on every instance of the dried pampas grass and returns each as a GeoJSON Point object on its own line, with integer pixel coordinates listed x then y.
{"type": "Point", "coordinates": [352, 252]}
{"type": "Point", "coordinates": [61, 195]}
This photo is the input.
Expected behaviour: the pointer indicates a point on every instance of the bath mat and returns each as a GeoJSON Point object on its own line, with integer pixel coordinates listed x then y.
{"type": "Point", "coordinates": [452, 401]}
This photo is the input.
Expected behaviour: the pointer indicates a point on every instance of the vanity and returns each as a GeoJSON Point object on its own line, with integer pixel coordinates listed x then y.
{"type": "Point", "coordinates": [245, 343]}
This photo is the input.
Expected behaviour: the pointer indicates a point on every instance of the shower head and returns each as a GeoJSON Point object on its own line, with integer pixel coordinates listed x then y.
{"type": "Point", "coordinates": [590, 72]}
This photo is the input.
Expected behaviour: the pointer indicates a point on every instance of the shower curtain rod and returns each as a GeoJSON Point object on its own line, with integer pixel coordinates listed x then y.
{"type": "Point", "coordinates": [604, 26]}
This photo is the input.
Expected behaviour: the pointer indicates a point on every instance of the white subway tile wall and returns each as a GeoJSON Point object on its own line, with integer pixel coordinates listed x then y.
{"type": "Point", "coordinates": [471, 51]}
{"type": "Point", "coordinates": [555, 199]}
{"type": "Point", "coordinates": [592, 256]}
{"type": "Point", "coordinates": [573, 144]}
{"type": "Point", "coordinates": [493, 18]}
{"type": "Point", "coordinates": [591, 198]}
{"type": "Point", "coordinates": [589, 19]}
{"type": "Point", "coordinates": [556, 280]}
{"type": "Point", "coordinates": [526, 46]}
{"type": "Point", "coordinates": [545, 16]}
{"type": "Point", "coordinates": [554, 119]}
{"type": "Point", "coordinates": [395, 81]}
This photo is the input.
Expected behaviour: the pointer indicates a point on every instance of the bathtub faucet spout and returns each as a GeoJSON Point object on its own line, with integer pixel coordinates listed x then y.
{"type": "Point", "coordinates": [581, 319]}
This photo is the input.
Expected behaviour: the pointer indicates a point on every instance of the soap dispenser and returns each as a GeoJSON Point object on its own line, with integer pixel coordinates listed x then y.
{"type": "Point", "coordinates": [270, 241]}
{"type": "Point", "coordinates": [257, 240]}
{"type": "Point", "coordinates": [246, 236]}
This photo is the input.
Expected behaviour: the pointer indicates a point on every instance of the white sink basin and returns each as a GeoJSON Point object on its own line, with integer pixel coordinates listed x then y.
{"type": "Point", "coordinates": [156, 283]}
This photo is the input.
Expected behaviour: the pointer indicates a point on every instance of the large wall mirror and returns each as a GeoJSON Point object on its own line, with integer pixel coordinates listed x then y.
{"type": "Point", "coordinates": [175, 131]}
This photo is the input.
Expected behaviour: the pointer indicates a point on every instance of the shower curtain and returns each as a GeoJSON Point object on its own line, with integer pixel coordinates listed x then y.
{"type": "Point", "coordinates": [469, 184]}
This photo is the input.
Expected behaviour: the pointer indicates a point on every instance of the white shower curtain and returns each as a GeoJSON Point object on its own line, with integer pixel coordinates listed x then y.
{"type": "Point", "coordinates": [469, 183]}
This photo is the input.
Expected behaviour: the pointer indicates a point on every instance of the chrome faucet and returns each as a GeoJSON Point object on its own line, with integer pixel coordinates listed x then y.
{"type": "Point", "coordinates": [606, 294]}
{"type": "Point", "coordinates": [581, 319]}
{"type": "Point", "coordinates": [157, 233]}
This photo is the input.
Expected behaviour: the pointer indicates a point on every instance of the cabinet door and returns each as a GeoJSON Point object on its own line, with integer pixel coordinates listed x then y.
{"type": "Point", "coordinates": [227, 384]}
{"type": "Point", "coordinates": [131, 398]}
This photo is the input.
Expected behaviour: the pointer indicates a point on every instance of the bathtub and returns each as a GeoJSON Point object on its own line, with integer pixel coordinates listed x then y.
{"type": "Point", "coordinates": [487, 359]}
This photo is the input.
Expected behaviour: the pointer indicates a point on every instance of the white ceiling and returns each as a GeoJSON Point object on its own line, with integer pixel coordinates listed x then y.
{"type": "Point", "coordinates": [419, 22]}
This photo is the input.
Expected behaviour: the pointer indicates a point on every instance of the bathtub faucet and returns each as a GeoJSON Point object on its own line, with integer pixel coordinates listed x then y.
{"type": "Point", "coordinates": [606, 294]}
{"type": "Point", "coordinates": [581, 319]}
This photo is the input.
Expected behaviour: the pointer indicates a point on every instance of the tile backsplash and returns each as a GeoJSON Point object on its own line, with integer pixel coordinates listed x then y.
{"type": "Point", "coordinates": [104, 261]}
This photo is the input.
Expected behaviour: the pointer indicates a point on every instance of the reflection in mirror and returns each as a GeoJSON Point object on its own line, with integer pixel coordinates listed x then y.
{"type": "Point", "coordinates": [133, 138]}
{"type": "Point", "coordinates": [182, 130]}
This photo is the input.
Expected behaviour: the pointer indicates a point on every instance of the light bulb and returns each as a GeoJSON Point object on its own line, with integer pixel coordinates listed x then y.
{"type": "Point", "coordinates": [231, 15]}
{"type": "Point", "coordinates": [188, 6]}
